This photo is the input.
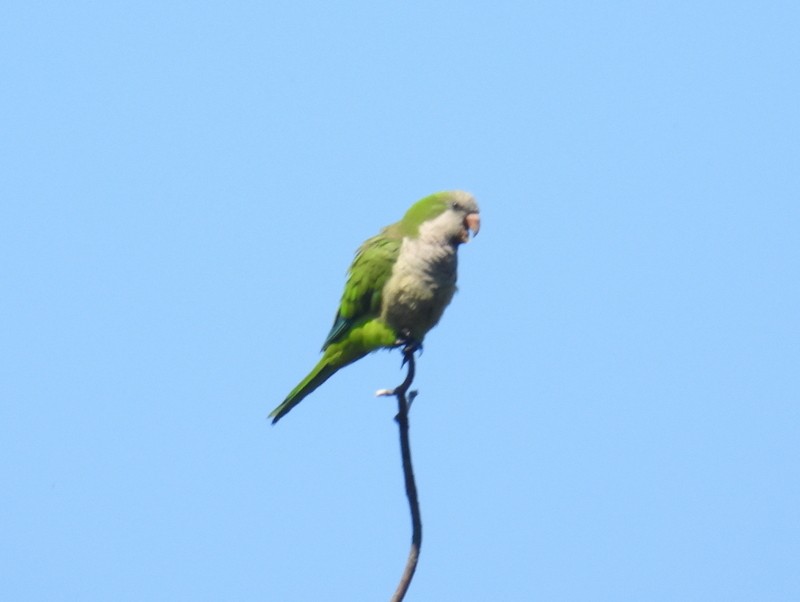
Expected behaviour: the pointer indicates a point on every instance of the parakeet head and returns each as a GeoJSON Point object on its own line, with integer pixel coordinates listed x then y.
{"type": "Point", "coordinates": [449, 215]}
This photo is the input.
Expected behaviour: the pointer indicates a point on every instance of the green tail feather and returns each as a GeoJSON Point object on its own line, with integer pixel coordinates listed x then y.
{"type": "Point", "coordinates": [321, 372]}
{"type": "Point", "coordinates": [362, 338]}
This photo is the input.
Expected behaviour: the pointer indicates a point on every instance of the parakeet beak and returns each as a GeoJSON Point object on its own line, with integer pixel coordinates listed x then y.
{"type": "Point", "coordinates": [471, 223]}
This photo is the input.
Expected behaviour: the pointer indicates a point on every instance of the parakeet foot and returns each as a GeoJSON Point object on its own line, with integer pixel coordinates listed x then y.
{"type": "Point", "coordinates": [409, 344]}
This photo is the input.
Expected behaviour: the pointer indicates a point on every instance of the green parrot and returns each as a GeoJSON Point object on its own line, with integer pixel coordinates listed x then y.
{"type": "Point", "coordinates": [397, 287]}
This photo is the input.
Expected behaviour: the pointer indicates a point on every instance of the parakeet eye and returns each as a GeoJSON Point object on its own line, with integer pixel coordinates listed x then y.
{"type": "Point", "coordinates": [455, 205]}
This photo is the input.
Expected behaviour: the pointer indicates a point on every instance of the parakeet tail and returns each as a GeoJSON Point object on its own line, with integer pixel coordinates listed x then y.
{"type": "Point", "coordinates": [321, 372]}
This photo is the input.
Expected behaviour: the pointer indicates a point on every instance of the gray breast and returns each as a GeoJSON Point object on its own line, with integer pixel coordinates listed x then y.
{"type": "Point", "coordinates": [421, 286]}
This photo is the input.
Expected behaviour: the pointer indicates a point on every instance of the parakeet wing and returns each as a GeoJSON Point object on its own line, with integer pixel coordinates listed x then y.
{"type": "Point", "coordinates": [368, 274]}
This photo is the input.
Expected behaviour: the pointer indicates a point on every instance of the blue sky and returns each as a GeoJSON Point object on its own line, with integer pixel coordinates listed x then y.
{"type": "Point", "coordinates": [609, 408]}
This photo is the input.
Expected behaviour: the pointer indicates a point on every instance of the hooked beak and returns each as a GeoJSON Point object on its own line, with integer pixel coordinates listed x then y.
{"type": "Point", "coordinates": [471, 223]}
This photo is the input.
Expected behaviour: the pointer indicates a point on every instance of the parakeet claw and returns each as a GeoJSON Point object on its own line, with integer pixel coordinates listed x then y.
{"type": "Point", "coordinates": [410, 347]}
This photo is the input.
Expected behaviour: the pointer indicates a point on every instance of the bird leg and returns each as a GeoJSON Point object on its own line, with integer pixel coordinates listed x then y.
{"type": "Point", "coordinates": [410, 347]}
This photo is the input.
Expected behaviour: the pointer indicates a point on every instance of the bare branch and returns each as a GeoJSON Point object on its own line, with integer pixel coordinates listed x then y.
{"type": "Point", "coordinates": [408, 472]}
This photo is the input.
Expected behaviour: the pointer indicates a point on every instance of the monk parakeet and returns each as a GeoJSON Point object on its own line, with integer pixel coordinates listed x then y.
{"type": "Point", "coordinates": [397, 287]}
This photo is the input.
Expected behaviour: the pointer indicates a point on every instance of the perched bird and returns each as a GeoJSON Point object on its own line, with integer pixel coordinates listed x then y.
{"type": "Point", "coordinates": [398, 285]}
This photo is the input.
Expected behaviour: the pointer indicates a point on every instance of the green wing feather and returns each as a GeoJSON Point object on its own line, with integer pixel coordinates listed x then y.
{"type": "Point", "coordinates": [357, 329]}
{"type": "Point", "coordinates": [367, 276]}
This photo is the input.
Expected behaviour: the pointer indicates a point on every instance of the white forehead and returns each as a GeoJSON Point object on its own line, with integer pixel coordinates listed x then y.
{"type": "Point", "coordinates": [465, 199]}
